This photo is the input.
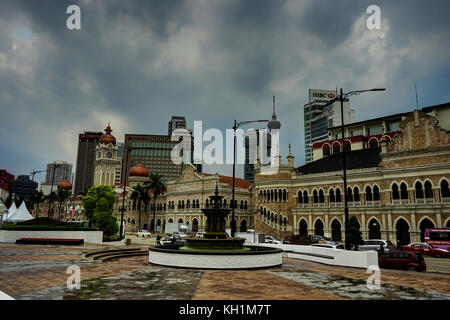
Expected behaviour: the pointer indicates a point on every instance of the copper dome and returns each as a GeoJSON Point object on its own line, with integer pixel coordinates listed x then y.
{"type": "Point", "coordinates": [65, 185]}
{"type": "Point", "coordinates": [107, 137]}
{"type": "Point", "coordinates": [139, 170]}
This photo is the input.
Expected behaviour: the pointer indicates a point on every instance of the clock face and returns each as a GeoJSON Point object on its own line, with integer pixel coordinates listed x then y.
{"type": "Point", "coordinates": [109, 154]}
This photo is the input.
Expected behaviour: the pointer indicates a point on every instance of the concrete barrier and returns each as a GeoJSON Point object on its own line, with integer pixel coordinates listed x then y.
{"type": "Point", "coordinates": [336, 257]}
{"type": "Point", "coordinates": [10, 236]}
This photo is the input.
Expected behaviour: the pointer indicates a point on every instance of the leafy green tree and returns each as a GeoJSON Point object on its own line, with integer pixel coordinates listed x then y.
{"type": "Point", "coordinates": [158, 188]}
{"type": "Point", "coordinates": [352, 233]}
{"type": "Point", "coordinates": [140, 196]}
{"type": "Point", "coordinates": [98, 206]}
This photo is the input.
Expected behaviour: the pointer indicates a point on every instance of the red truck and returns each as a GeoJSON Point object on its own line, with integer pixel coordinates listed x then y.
{"type": "Point", "coordinates": [302, 240]}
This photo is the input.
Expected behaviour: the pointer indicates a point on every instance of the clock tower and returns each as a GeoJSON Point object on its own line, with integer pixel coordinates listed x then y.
{"type": "Point", "coordinates": [106, 161]}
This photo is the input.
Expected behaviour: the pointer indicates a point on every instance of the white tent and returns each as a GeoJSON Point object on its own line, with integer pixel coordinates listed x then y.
{"type": "Point", "coordinates": [12, 210]}
{"type": "Point", "coordinates": [21, 214]}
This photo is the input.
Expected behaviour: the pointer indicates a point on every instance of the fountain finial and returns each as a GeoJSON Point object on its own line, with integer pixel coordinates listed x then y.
{"type": "Point", "coordinates": [216, 192]}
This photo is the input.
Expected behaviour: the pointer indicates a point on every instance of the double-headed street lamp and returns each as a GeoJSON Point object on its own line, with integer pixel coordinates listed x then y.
{"type": "Point", "coordinates": [237, 125]}
{"type": "Point", "coordinates": [341, 98]}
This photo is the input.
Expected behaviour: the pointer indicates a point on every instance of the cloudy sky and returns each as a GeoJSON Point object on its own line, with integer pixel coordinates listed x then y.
{"type": "Point", "coordinates": [136, 63]}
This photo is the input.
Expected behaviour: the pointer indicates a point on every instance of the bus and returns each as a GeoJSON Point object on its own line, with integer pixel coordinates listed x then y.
{"type": "Point", "coordinates": [439, 238]}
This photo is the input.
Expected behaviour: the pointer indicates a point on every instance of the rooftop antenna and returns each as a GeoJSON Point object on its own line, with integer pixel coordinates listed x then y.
{"type": "Point", "coordinates": [417, 99]}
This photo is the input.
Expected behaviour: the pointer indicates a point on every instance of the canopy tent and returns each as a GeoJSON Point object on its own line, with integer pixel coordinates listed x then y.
{"type": "Point", "coordinates": [21, 214]}
{"type": "Point", "coordinates": [12, 210]}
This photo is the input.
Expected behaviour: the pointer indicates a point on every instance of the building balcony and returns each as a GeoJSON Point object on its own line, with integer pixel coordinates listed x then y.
{"type": "Point", "coordinates": [373, 203]}
{"type": "Point", "coordinates": [425, 200]}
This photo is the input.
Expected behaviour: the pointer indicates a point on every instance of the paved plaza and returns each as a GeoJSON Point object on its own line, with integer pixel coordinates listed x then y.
{"type": "Point", "coordinates": [39, 272]}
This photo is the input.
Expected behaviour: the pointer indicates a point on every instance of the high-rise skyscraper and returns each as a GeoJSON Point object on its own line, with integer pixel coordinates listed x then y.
{"type": "Point", "coordinates": [176, 122]}
{"type": "Point", "coordinates": [57, 171]}
{"type": "Point", "coordinates": [254, 144]}
{"type": "Point", "coordinates": [84, 174]}
{"type": "Point", "coordinates": [318, 117]}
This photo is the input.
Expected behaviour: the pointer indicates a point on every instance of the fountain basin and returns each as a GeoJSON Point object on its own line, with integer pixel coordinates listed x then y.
{"type": "Point", "coordinates": [250, 257]}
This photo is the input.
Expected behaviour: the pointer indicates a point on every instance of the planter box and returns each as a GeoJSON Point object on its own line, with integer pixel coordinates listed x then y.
{"type": "Point", "coordinates": [10, 236]}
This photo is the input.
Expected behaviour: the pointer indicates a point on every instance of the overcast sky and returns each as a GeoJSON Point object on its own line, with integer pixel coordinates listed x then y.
{"type": "Point", "coordinates": [137, 63]}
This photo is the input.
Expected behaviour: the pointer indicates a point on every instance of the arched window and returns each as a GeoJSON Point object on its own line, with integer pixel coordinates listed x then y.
{"type": "Point", "coordinates": [356, 194]}
{"type": "Point", "coordinates": [445, 190]}
{"type": "Point", "coordinates": [299, 197]}
{"type": "Point", "coordinates": [188, 204]}
{"type": "Point", "coordinates": [349, 194]}
{"type": "Point", "coordinates": [347, 146]}
{"type": "Point", "coordinates": [338, 195]}
{"type": "Point", "coordinates": [326, 150]}
{"type": "Point", "coordinates": [368, 194]}
{"type": "Point", "coordinates": [276, 195]}
{"type": "Point", "coordinates": [403, 191]}
{"type": "Point", "coordinates": [373, 144]}
{"type": "Point", "coordinates": [245, 205]}
{"type": "Point", "coordinates": [280, 194]}
{"type": "Point", "coordinates": [332, 196]}
{"type": "Point", "coordinates": [321, 196]}
{"type": "Point", "coordinates": [315, 197]}
{"type": "Point", "coordinates": [284, 195]}
{"type": "Point", "coordinates": [428, 190]}
{"type": "Point", "coordinates": [241, 205]}
{"type": "Point", "coordinates": [305, 197]}
{"type": "Point", "coordinates": [419, 190]}
{"type": "Point", "coordinates": [336, 148]}
{"type": "Point", "coordinates": [207, 203]}
{"type": "Point", "coordinates": [376, 193]}
{"type": "Point", "coordinates": [261, 210]}
{"type": "Point", "coordinates": [395, 192]}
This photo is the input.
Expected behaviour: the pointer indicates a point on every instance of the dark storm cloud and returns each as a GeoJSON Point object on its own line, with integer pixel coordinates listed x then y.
{"type": "Point", "coordinates": [136, 63]}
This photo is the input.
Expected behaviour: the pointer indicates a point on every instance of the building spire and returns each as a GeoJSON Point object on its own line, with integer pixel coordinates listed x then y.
{"type": "Point", "coordinates": [274, 123]}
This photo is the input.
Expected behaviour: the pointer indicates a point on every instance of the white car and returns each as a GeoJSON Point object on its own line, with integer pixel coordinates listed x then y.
{"type": "Point", "coordinates": [180, 234]}
{"type": "Point", "coordinates": [328, 244]}
{"type": "Point", "coordinates": [144, 234]}
{"type": "Point", "coordinates": [200, 235]}
{"type": "Point", "coordinates": [270, 239]}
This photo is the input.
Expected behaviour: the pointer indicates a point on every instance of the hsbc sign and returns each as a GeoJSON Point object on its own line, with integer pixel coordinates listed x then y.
{"type": "Point", "coordinates": [321, 94]}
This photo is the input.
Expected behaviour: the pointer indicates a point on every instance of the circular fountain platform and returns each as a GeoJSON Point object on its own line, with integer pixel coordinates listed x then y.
{"type": "Point", "coordinates": [246, 258]}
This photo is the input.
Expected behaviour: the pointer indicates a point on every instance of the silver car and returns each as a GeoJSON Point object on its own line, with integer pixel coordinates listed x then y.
{"type": "Point", "coordinates": [374, 244]}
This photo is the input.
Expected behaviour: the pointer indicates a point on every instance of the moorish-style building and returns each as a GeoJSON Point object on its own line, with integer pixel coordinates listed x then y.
{"type": "Point", "coordinates": [184, 198]}
{"type": "Point", "coordinates": [396, 190]}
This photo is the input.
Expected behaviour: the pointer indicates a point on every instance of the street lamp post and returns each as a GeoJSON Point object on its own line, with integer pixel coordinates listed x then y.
{"type": "Point", "coordinates": [342, 96]}
{"type": "Point", "coordinates": [124, 190]}
{"type": "Point", "coordinates": [237, 125]}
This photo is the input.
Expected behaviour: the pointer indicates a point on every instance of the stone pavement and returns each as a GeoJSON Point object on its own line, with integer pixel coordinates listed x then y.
{"type": "Point", "coordinates": [39, 272]}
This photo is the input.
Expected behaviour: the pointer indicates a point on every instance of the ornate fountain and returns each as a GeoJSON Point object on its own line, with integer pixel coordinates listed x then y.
{"type": "Point", "coordinates": [215, 237]}
{"type": "Point", "coordinates": [216, 250]}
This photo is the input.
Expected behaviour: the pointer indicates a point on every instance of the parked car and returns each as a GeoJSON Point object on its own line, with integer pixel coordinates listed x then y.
{"type": "Point", "coordinates": [328, 244]}
{"type": "Point", "coordinates": [270, 239]}
{"type": "Point", "coordinates": [200, 235]}
{"type": "Point", "coordinates": [143, 233]}
{"type": "Point", "coordinates": [411, 261]}
{"type": "Point", "coordinates": [374, 244]}
{"type": "Point", "coordinates": [297, 239]}
{"type": "Point", "coordinates": [180, 234]}
{"type": "Point", "coordinates": [426, 249]}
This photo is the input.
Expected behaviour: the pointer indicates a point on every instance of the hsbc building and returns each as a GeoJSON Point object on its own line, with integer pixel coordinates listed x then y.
{"type": "Point", "coordinates": [318, 118]}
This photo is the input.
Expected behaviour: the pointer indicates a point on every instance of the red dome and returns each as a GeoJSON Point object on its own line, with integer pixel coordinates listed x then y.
{"type": "Point", "coordinates": [107, 137]}
{"type": "Point", "coordinates": [65, 185]}
{"type": "Point", "coordinates": [139, 170]}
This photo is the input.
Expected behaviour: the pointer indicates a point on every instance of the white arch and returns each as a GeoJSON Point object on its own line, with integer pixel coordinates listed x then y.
{"type": "Point", "coordinates": [423, 218]}
{"type": "Point", "coordinates": [318, 218]}
{"type": "Point", "coordinates": [331, 222]}
{"type": "Point", "coordinates": [404, 218]}
{"type": "Point", "coordinates": [370, 219]}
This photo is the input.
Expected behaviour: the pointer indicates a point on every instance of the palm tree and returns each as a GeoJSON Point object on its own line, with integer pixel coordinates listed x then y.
{"type": "Point", "coordinates": [62, 195]}
{"type": "Point", "coordinates": [36, 199]}
{"type": "Point", "coordinates": [139, 195]}
{"type": "Point", "coordinates": [157, 187]}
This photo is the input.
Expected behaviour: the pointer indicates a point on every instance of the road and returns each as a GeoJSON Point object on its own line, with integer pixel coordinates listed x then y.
{"type": "Point", "coordinates": [437, 264]}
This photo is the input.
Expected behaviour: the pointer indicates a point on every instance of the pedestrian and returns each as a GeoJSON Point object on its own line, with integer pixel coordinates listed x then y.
{"type": "Point", "coordinates": [158, 240]}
